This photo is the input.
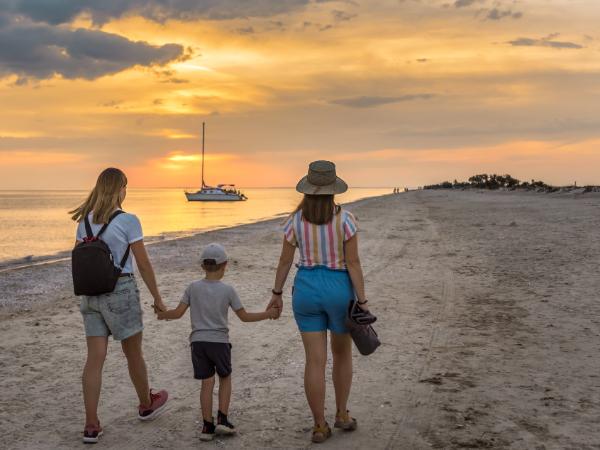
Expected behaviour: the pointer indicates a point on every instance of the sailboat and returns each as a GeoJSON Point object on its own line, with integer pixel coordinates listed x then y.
{"type": "Point", "coordinates": [218, 193]}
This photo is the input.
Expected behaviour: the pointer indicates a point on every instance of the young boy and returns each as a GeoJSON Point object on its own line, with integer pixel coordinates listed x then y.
{"type": "Point", "coordinates": [209, 300]}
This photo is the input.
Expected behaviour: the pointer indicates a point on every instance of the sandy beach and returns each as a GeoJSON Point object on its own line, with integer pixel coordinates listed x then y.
{"type": "Point", "coordinates": [488, 312]}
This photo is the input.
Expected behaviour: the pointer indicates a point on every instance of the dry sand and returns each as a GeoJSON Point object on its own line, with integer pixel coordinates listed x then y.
{"type": "Point", "coordinates": [489, 314]}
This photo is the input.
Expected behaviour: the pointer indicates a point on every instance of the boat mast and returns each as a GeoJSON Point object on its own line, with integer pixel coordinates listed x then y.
{"type": "Point", "coordinates": [203, 155]}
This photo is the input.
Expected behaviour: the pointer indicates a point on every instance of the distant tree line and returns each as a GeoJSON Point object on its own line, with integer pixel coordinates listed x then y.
{"type": "Point", "coordinates": [485, 181]}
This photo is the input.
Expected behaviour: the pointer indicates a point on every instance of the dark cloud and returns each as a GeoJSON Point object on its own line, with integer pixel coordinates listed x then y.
{"type": "Point", "coordinates": [277, 25]}
{"type": "Point", "coordinates": [175, 81]}
{"type": "Point", "coordinates": [371, 101]}
{"type": "Point", "coordinates": [342, 16]}
{"type": "Point", "coordinates": [101, 11]}
{"type": "Point", "coordinates": [544, 42]}
{"type": "Point", "coordinates": [350, 2]}
{"type": "Point", "coordinates": [41, 51]}
{"type": "Point", "coordinates": [338, 16]}
{"type": "Point", "coordinates": [497, 14]}
{"type": "Point", "coordinates": [463, 3]}
{"type": "Point", "coordinates": [245, 30]}
{"type": "Point", "coordinates": [112, 104]}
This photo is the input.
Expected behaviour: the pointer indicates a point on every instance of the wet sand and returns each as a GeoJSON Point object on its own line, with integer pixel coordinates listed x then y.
{"type": "Point", "coordinates": [489, 315]}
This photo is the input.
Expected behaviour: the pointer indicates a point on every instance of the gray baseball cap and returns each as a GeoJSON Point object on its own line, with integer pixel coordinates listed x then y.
{"type": "Point", "coordinates": [214, 251]}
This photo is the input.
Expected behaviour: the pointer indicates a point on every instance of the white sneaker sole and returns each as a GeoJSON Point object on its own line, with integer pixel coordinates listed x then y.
{"type": "Point", "coordinates": [223, 430]}
{"type": "Point", "coordinates": [157, 412]}
{"type": "Point", "coordinates": [206, 437]}
{"type": "Point", "coordinates": [91, 440]}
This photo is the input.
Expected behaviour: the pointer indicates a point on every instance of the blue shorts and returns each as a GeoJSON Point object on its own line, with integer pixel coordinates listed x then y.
{"type": "Point", "coordinates": [320, 299]}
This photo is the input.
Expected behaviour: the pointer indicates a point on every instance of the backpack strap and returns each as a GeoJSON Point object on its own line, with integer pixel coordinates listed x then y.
{"type": "Point", "coordinates": [124, 259]}
{"type": "Point", "coordinates": [103, 229]}
{"type": "Point", "coordinates": [88, 227]}
{"type": "Point", "coordinates": [105, 226]}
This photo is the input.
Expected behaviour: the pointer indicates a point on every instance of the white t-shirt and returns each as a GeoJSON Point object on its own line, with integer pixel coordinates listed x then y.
{"type": "Point", "coordinates": [125, 229]}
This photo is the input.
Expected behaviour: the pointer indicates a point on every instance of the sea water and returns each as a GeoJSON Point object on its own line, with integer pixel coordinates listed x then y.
{"type": "Point", "coordinates": [35, 225]}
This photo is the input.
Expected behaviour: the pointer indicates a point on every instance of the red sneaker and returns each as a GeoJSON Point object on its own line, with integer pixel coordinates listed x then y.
{"type": "Point", "coordinates": [158, 402]}
{"type": "Point", "coordinates": [91, 433]}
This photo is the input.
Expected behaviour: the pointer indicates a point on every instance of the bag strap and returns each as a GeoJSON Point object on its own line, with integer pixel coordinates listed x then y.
{"type": "Point", "coordinates": [124, 259]}
{"type": "Point", "coordinates": [88, 228]}
{"type": "Point", "coordinates": [126, 255]}
{"type": "Point", "coordinates": [105, 226]}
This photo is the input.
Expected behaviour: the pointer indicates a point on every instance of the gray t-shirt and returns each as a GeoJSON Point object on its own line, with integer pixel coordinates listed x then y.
{"type": "Point", "coordinates": [209, 302]}
{"type": "Point", "coordinates": [124, 229]}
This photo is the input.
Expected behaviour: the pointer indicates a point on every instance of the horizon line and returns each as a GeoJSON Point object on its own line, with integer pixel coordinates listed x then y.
{"type": "Point", "coordinates": [184, 188]}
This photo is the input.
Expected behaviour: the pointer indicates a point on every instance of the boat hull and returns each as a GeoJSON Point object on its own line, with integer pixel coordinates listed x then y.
{"type": "Point", "coordinates": [201, 197]}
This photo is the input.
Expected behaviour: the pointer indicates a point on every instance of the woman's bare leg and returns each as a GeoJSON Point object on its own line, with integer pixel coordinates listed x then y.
{"type": "Point", "coordinates": [315, 347]}
{"type": "Point", "coordinates": [341, 348]}
{"type": "Point", "coordinates": [92, 376]}
{"type": "Point", "coordinates": [132, 348]}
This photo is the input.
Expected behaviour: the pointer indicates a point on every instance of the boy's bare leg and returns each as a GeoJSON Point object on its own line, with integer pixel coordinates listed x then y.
{"type": "Point", "coordinates": [224, 394]}
{"type": "Point", "coordinates": [206, 398]}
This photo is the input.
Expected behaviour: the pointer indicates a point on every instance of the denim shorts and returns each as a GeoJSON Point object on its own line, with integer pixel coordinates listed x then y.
{"type": "Point", "coordinates": [320, 299]}
{"type": "Point", "coordinates": [118, 313]}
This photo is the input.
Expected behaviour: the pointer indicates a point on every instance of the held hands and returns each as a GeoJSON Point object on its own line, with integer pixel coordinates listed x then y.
{"type": "Point", "coordinates": [158, 305]}
{"type": "Point", "coordinates": [276, 304]}
{"type": "Point", "coordinates": [273, 313]}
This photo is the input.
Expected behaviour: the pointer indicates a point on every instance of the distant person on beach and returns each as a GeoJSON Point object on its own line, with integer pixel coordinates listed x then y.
{"type": "Point", "coordinates": [118, 313]}
{"type": "Point", "coordinates": [329, 276]}
{"type": "Point", "coordinates": [209, 301]}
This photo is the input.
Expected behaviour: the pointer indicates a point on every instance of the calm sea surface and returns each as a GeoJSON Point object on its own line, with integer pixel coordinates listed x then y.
{"type": "Point", "coordinates": [35, 225]}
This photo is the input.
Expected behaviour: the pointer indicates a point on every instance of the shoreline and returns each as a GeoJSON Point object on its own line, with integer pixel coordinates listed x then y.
{"type": "Point", "coordinates": [16, 264]}
{"type": "Point", "coordinates": [150, 240]}
{"type": "Point", "coordinates": [16, 279]}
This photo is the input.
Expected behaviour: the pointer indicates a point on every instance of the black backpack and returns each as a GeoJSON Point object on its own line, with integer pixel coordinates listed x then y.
{"type": "Point", "coordinates": [92, 262]}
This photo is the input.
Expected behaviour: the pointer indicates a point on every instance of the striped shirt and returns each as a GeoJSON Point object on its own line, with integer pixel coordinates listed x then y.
{"type": "Point", "coordinates": [320, 245]}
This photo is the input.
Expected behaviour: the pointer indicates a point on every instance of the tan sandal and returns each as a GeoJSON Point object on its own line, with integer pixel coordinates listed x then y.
{"type": "Point", "coordinates": [345, 422]}
{"type": "Point", "coordinates": [321, 434]}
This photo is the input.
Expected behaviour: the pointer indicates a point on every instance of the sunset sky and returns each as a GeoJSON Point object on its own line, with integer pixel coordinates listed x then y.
{"type": "Point", "coordinates": [396, 92]}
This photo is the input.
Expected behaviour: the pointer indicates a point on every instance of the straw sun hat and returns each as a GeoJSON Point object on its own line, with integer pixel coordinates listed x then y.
{"type": "Point", "coordinates": [321, 180]}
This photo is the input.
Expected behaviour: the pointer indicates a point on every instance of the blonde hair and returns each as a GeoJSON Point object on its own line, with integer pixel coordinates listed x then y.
{"type": "Point", "coordinates": [104, 198]}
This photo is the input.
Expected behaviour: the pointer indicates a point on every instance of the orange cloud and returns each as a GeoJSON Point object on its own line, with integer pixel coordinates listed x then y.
{"type": "Point", "coordinates": [29, 158]}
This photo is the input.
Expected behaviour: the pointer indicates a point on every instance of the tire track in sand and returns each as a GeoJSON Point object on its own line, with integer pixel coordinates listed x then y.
{"type": "Point", "coordinates": [417, 416]}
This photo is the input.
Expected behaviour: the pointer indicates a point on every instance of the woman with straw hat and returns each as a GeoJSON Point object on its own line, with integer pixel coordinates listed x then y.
{"type": "Point", "coordinates": [329, 276]}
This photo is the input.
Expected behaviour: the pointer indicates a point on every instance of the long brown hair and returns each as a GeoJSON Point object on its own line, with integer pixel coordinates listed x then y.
{"type": "Point", "coordinates": [104, 198]}
{"type": "Point", "coordinates": [318, 209]}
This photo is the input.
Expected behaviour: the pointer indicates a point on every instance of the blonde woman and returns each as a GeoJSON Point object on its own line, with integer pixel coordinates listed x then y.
{"type": "Point", "coordinates": [329, 276]}
{"type": "Point", "coordinates": [119, 312]}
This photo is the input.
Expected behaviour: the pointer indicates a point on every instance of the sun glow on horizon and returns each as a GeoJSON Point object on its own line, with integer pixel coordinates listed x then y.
{"type": "Point", "coordinates": [388, 90]}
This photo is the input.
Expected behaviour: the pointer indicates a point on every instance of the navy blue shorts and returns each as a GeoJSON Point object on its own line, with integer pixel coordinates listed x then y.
{"type": "Point", "coordinates": [211, 357]}
{"type": "Point", "coordinates": [320, 299]}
